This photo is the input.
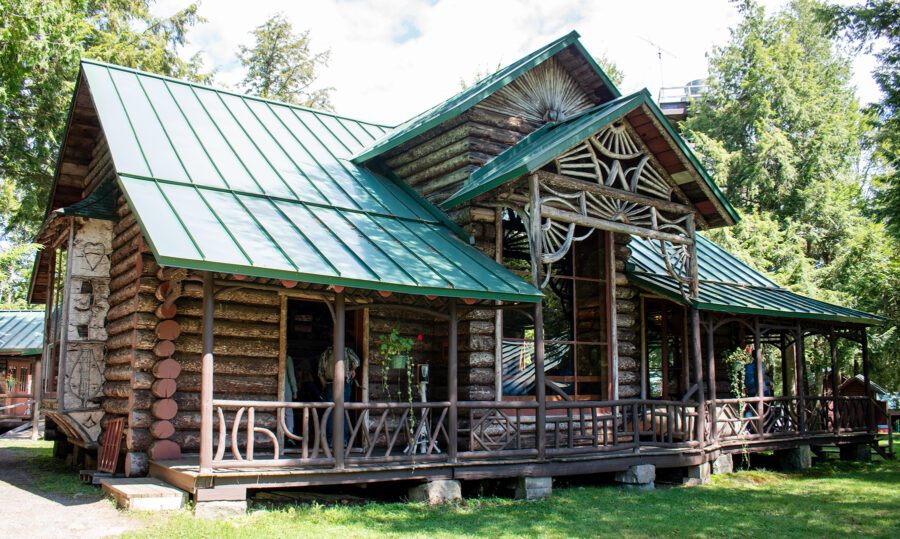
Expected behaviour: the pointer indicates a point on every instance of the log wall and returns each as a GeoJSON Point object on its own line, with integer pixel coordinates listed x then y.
{"type": "Point", "coordinates": [438, 162]}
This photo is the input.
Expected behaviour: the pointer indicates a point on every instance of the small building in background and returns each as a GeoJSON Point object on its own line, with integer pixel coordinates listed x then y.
{"type": "Point", "coordinates": [21, 341]}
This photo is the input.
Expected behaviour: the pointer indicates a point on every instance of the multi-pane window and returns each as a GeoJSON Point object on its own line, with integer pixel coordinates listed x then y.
{"type": "Point", "coordinates": [666, 352]}
{"type": "Point", "coordinates": [576, 355]}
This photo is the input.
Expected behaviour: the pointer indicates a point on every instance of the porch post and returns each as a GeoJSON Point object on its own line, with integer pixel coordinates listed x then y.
{"type": "Point", "coordinates": [785, 383]}
{"type": "Point", "coordinates": [337, 381]}
{"type": "Point", "coordinates": [760, 379]}
{"type": "Point", "coordinates": [800, 361]}
{"type": "Point", "coordinates": [832, 349]}
{"type": "Point", "coordinates": [206, 377]}
{"type": "Point", "coordinates": [36, 395]}
{"type": "Point", "coordinates": [711, 368]}
{"type": "Point", "coordinates": [864, 341]}
{"type": "Point", "coordinates": [698, 372]}
{"type": "Point", "coordinates": [452, 382]}
{"type": "Point", "coordinates": [540, 390]}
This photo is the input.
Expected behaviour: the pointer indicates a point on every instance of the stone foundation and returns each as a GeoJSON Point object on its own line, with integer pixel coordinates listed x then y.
{"type": "Point", "coordinates": [723, 464]}
{"type": "Point", "coordinates": [436, 492]}
{"type": "Point", "coordinates": [795, 459]}
{"type": "Point", "coordinates": [639, 476]}
{"type": "Point", "coordinates": [697, 475]}
{"type": "Point", "coordinates": [218, 510]}
{"type": "Point", "coordinates": [534, 488]}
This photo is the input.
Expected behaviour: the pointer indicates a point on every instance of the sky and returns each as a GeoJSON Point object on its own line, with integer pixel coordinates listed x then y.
{"type": "Point", "coordinates": [391, 59]}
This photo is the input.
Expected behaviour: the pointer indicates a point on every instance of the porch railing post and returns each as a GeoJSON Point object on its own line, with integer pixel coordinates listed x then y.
{"type": "Point", "coordinates": [338, 382]}
{"type": "Point", "coordinates": [832, 349]}
{"type": "Point", "coordinates": [452, 382]}
{"type": "Point", "coordinates": [698, 373]}
{"type": "Point", "coordinates": [760, 379]}
{"type": "Point", "coordinates": [864, 342]}
{"type": "Point", "coordinates": [800, 369]}
{"type": "Point", "coordinates": [206, 376]}
{"type": "Point", "coordinates": [540, 390]}
{"type": "Point", "coordinates": [711, 368]}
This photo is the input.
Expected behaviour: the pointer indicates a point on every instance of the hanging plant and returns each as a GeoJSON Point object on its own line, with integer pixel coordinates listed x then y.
{"type": "Point", "coordinates": [395, 348]}
{"type": "Point", "coordinates": [735, 361]}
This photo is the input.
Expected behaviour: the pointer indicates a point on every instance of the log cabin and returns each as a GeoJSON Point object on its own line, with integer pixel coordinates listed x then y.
{"type": "Point", "coordinates": [21, 344]}
{"type": "Point", "coordinates": [537, 237]}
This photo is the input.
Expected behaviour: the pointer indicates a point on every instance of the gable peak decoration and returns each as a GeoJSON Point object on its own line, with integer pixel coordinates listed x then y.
{"type": "Point", "coordinates": [546, 93]}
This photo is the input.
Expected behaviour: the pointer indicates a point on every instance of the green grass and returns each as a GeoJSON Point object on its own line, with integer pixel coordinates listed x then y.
{"type": "Point", "coordinates": [49, 475]}
{"type": "Point", "coordinates": [834, 499]}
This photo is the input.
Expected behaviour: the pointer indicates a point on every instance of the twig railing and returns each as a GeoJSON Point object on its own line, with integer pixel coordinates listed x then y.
{"type": "Point", "coordinates": [737, 419]}
{"type": "Point", "coordinates": [239, 426]}
{"type": "Point", "coordinates": [396, 432]}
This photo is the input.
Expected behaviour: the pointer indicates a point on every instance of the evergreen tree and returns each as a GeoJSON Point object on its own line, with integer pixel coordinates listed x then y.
{"type": "Point", "coordinates": [783, 133]}
{"type": "Point", "coordinates": [281, 66]}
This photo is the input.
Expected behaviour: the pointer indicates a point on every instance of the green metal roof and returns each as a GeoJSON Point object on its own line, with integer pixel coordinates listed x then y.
{"type": "Point", "coordinates": [474, 94]}
{"type": "Point", "coordinates": [21, 332]}
{"type": "Point", "coordinates": [224, 182]}
{"type": "Point", "coordinates": [729, 285]}
{"type": "Point", "coordinates": [543, 145]}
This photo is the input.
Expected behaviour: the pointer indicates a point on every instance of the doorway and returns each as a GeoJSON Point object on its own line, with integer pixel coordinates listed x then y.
{"type": "Point", "coordinates": [309, 332]}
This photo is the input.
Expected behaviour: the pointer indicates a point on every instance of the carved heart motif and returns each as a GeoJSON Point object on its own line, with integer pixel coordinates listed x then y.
{"type": "Point", "coordinates": [93, 254]}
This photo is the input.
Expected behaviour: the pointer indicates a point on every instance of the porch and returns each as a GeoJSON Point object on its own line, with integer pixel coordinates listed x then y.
{"type": "Point", "coordinates": [499, 440]}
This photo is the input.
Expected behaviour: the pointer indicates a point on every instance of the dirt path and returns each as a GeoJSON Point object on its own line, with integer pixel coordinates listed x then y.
{"type": "Point", "coordinates": [28, 512]}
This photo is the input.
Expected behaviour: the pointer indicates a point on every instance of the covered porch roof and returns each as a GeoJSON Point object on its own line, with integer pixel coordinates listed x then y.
{"type": "Point", "coordinates": [729, 285]}
{"type": "Point", "coordinates": [228, 183]}
{"type": "Point", "coordinates": [21, 333]}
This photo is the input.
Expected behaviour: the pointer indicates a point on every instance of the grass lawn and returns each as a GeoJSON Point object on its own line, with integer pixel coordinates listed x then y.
{"type": "Point", "coordinates": [830, 500]}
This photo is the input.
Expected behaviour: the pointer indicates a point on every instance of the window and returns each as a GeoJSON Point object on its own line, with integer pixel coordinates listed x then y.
{"type": "Point", "coordinates": [576, 355]}
{"type": "Point", "coordinates": [666, 352]}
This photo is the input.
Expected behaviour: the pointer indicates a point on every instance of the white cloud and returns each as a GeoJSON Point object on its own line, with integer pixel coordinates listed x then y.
{"type": "Point", "coordinates": [391, 59]}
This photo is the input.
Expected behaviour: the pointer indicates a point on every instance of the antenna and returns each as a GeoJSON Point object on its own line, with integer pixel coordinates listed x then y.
{"type": "Point", "coordinates": [659, 54]}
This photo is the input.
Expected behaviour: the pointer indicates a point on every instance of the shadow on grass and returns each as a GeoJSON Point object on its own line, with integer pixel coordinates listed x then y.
{"type": "Point", "coordinates": [828, 501]}
{"type": "Point", "coordinates": [30, 466]}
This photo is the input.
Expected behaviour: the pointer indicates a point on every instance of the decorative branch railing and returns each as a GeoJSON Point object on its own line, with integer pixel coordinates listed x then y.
{"type": "Point", "coordinates": [591, 426]}
{"type": "Point", "coordinates": [380, 432]}
{"type": "Point", "coordinates": [238, 426]}
{"type": "Point", "coordinates": [16, 405]}
{"type": "Point", "coordinates": [738, 419]}
{"type": "Point", "coordinates": [498, 429]}
{"type": "Point", "coordinates": [402, 432]}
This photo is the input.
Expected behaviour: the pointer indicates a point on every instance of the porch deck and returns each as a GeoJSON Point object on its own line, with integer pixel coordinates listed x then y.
{"type": "Point", "coordinates": [497, 440]}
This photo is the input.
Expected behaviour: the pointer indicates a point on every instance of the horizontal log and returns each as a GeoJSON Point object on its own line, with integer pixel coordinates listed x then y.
{"type": "Point", "coordinates": [142, 380]}
{"type": "Point", "coordinates": [168, 330]}
{"type": "Point", "coordinates": [164, 349]}
{"type": "Point", "coordinates": [138, 439]}
{"type": "Point", "coordinates": [138, 339]}
{"type": "Point", "coordinates": [229, 383]}
{"type": "Point", "coordinates": [143, 285]}
{"type": "Point", "coordinates": [602, 224]}
{"type": "Point", "coordinates": [229, 346]}
{"type": "Point", "coordinates": [116, 406]}
{"type": "Point", "coordinates": [190, 401]}
{"type": "Point", "coordinates": [165, 450]}
{"type": "Point", "coordinates": [230, 328]}
{"type": "Point", "coordinates": [140, 399]}
{"type": "Point", "coordinates": [118, 373]}
{"type": "Point", "coordinates": [130, 322]}
{"type": "Point", "coordinates": [124, 237]}
{"type": "Point", "coordinates": [494, 119]}
{"type": "Point", "coordinates": [460, 132]}
{"type": "Point", "coordinates": [229, 311]}
{"type": "Point", "coordinates": [231, 365]}
{"type": "Point", "coordinates": [168, 368]}
{"type": "Point", "coordinates": [137, 464]}
{"type": "Point", "coordinates": [124, 223]}
{"type": "Point", "coordinates": [138, 359]}
{"type": "Point", "coordinates": [164, 409]}
{"type": "Point", "coordinates": [142, 303]}
{"type": "Point", "coordinates": [164, 388]}
{"type": "Point", "coordinates": [140, 419]}
{"type": "Point", "coordinates": [162, 429]}
{"type": "Point", "coordinates": [441, 154]}
{"type": "Point", "coordinates": [247, 296]}
{"type": "Point", "coordinates": [120, 390]}
{"type": "Point", "coordinates": [191, 420]}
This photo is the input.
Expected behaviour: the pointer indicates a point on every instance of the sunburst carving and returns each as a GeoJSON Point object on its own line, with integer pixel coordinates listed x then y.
{"type": "Point", "coordinates": [547, 93]}
{"type": "Point", "coordinates": [614, 142]}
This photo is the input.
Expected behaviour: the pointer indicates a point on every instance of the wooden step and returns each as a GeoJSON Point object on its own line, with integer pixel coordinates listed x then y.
{"type": "Point", "coordinates": [143, 494]}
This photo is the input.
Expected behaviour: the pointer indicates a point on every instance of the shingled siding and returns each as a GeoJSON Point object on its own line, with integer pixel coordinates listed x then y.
{"type": "Point", "coordinates": [438, 162]}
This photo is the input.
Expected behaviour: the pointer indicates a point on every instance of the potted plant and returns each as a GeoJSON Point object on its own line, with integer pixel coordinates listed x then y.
{"type": "Point", "coordinates": [395, 348]}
